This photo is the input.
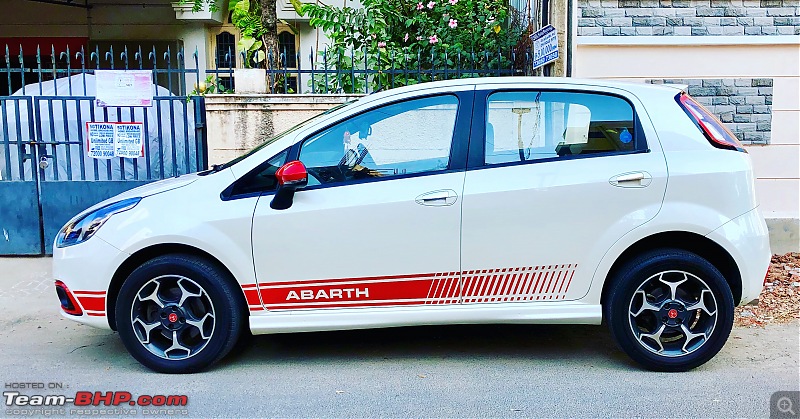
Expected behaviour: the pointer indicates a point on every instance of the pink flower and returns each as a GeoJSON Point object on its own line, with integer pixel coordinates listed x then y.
{"type": "Point", "coordinates": [382, 44]}
{"type": "Point", "coordinates": [405, 38]}
{"type": "Point", "coordinates": [420, 6]}
{"type": "Point", "coordinates": [419, 38]}
{"type": "Point", "coordinates": [433, 39]}
{"type": "Point", "coordinates": [453, 2]}
{"type": "Point", "coordinates": [453, 23]}
{"type": "Point", "coordinates": [431, 4]}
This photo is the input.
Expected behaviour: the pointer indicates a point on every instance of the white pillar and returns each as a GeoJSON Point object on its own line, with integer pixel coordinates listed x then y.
{"type": "Point", "coordinates": [195, 36]}
{"type": "Point", "coordinates": [195, 39]}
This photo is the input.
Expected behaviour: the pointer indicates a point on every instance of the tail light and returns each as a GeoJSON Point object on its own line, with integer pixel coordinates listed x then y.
{"type": "Point", "coordinates": [68, 302]}
{"type": "Point", "coordinates": [715, 131]}
{"type": "Point", "coordinates": [766, 276]}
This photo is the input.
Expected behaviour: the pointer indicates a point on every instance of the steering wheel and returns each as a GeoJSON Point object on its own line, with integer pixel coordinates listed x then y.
{"type": "Point", "coordinates": [362, 153]}
{"type": "Point", "coordinates": [352, 159]}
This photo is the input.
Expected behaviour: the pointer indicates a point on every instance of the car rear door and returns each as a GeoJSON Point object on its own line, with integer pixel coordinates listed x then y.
{"type": "Point", "coordinates": [379, 223]}
{"type": "Point", "coordinates": [555, 177]}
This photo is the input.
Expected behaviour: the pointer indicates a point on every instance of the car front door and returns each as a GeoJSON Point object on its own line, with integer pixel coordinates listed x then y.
{"type": "Point", "coordinates": [554, 178]}
{"type": "Point", "coordinates": [379, 222]}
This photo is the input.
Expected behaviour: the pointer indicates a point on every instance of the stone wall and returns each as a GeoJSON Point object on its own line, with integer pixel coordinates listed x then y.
{"type": "Point", "coordinates": [238, 123]}
{"type": "Point", "coordinates": [688, 17]}
{"type": "Point", "coordinates": [744, 105]}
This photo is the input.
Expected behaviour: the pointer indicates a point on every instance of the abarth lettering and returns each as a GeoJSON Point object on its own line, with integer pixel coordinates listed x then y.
{"type": "Point", "coordinates": [343, 293]}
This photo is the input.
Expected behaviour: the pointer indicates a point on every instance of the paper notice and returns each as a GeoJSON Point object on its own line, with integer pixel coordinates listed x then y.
{"type": "Point", "coordinates": [124, 88]}
{"type": "Point", "coordinates": [129, 140]}
{"type": "Point", "coordinates": [105, 140]}
{"type": "Point", "coordinates": [100, 140]}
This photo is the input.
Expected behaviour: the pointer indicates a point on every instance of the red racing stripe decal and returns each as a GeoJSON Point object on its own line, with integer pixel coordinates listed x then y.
{"type": "Point", "coordinates": [531, 283]}
{"type": "Point", "coordinates": [93, 302]}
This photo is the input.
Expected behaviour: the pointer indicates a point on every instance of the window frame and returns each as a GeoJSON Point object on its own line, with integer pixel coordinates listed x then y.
{"type": "Point", "coordinates": [211, 53]}
{"type": "Point", "coordinates": [476, 159]}
{"type": "Point", "coordinates": [458, 142]}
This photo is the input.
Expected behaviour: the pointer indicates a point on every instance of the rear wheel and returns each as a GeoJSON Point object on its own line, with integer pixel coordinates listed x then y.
{"type": "Point", "coordinates": [669, 310]}
{"type": "Point", "coordinates": [179, 314]}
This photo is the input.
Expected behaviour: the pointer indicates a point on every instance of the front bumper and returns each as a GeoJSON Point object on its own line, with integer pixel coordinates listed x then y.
{"type": "Point", "coordinates": [86, 270]}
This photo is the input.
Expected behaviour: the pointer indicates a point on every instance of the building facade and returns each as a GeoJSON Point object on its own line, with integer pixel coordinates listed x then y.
{"type": "Point", "coordinates": [740, 58]}
{"type": "Point", "coordinates": [150, 24]}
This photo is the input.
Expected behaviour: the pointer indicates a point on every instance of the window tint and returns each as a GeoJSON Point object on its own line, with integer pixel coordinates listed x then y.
{"type": "Point", "coordinates": [263, 178]}
{"type": "Point", "coordinates": [523, 126]}
{"type": "Point", "coordinates": [403, 138]}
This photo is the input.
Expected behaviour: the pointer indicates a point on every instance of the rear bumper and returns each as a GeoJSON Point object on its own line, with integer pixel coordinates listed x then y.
{"type": "Point", "coordinates": [747, 240]}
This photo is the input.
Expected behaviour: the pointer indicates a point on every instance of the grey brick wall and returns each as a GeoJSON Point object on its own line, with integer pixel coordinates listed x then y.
{"type": "Point", "coordinates": [744, 105]}
{"type": "Point", "coordinates": [688, 17]}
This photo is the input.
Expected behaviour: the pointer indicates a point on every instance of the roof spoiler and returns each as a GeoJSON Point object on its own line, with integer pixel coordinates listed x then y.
{"type": "Point", "coordinates": [682, 87]}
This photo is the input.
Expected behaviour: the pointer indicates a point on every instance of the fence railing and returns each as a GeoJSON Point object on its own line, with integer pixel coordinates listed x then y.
{"type": "Point", "coordinates": [48, 97]}
{"type": "Point", "coordinates": [22, 69]}
{"type": "Point", "coordinates": [359, 71]}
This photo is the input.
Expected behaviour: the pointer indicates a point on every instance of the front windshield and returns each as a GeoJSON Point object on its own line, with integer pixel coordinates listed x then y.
{"type": "Point", "coordinates": [279, 136]}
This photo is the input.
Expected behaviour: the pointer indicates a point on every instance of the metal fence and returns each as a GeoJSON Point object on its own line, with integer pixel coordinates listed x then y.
{"type": "Point", "coordinates": [47, 99]}
{"type": "Point", "coordinates": [361, 71]}
{"type": "Point", "coordinates": [31, 69]}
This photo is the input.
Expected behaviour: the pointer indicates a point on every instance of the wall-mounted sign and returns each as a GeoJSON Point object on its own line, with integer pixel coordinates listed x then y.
{"type": "Point", "coordinates": [105, 140]}
{"type": "Point", "coordinates": [124, 88]}
{"type": "Point", "coordinates": [545, 46]}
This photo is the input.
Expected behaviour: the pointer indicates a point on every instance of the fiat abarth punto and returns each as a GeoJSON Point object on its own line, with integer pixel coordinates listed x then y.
{"type": "Point", "coordinates": [495, 200]}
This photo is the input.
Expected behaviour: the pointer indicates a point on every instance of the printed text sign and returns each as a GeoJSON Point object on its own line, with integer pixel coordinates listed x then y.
{"type": "Point", "coordinates": [105, 140]}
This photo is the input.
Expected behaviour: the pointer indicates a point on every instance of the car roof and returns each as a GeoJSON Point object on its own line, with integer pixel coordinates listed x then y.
{"type": "Point", "coordinates": [632, 87]}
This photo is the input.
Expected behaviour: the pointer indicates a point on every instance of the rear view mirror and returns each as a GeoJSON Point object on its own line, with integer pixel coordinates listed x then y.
{"type": "Point", "coordinates": [291, 177]}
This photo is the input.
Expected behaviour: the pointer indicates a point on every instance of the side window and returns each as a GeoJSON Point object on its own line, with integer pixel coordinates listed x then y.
{"type": "Point", "coordinates": [532, 125]}
{"type": "Point", "coordinates": [403, 138]}
{"type": "Point", "coordinates": [262, 179]}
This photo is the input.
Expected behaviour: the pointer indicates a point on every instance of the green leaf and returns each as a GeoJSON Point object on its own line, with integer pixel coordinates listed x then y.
{"type": "Point", "coordinates": [259, 56]}
{"type": "Point", "coordinates": [246, 43]}
{"type": "Point", "coordinates": [299, 7]}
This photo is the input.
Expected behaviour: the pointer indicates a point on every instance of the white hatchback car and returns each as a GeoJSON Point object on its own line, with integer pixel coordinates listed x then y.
{"type": "Point", "coordinates": [502, 200]}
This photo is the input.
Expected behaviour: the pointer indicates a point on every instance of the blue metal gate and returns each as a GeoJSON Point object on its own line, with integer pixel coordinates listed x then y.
{"type": "Point", "coordinates": [46, 175]}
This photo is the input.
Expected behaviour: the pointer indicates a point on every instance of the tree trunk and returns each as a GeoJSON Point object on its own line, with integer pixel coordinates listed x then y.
{"type": "Point", "coordinates": [269, 20]}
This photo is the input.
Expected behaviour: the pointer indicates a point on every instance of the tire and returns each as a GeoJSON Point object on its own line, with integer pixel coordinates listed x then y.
{"type": "Point", "coordinates": [669, 310]}
{"type": "Point", "coordinates": [179, 313]}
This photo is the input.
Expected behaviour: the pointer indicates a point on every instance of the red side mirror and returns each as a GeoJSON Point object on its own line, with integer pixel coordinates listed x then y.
{"type": "Point", "coordinates": [292, 174]}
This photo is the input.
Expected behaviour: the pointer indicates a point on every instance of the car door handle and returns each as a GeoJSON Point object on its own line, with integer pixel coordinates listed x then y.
{"type": "Point", "coordinates": [631, 180]}
{"type": "Point", "coordinates": [438, 198]}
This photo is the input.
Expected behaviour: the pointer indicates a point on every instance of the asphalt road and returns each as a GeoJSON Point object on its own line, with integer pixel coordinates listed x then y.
{"type": "Point", "coordinates": [459, 371]}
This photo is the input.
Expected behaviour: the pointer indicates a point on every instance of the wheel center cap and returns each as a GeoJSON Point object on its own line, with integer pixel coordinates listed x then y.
{"type": "Point", "coordinates": [174, 317]}
{"type": "Point", "coordinates": [672, 313]}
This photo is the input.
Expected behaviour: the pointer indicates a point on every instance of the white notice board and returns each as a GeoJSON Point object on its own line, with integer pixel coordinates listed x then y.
{"type": "Point", "coordinates": [124, 88]}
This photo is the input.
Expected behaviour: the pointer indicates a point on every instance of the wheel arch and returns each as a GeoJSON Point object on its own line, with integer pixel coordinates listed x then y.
{"type": "Point", "coordinates": [143, 255]}
{"type": "Point", "coordinates": [691, 242]}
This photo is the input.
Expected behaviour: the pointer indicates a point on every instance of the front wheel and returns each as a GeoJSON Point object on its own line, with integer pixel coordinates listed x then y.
{"type": "Point", "coordinates": [179, 314]}
{"type": "Point", "coordinates": [669, 310]}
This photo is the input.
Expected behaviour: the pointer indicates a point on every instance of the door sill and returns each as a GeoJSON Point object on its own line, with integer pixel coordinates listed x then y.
{"type": "Point", "coordinates": [370, 318]}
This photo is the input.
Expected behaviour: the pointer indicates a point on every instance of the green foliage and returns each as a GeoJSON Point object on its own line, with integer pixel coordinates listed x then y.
{"type": "Point", "coordinates": [246, 15]}
{"type": "Point", "coordinates": [197, 5]}
{"type": "Point", "coordinates": [418, 35]}
{"type": "Point", "coordinates": [210, 85]}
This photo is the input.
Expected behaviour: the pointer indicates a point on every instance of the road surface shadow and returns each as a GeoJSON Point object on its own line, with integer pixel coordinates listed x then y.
{"type": "Point", "coordinates": [577, 343]}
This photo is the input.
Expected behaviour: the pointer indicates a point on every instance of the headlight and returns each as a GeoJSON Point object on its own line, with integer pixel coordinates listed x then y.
{"type": "Point", "coordinates": [83, 228]}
